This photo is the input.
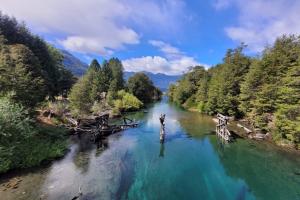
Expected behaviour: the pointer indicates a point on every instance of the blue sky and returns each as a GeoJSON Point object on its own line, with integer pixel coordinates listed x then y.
{"type": "Point", "coordinates": [166, 36]}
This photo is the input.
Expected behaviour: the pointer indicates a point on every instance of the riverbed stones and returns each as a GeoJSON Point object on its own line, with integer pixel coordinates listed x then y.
{"type": "Point", "coordinates": [12, 184]}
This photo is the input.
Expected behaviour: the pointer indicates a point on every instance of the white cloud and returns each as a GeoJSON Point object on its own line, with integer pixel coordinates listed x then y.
{"type": "Point", "coordinates": [174, 62]}
{"type": "Point", "coordinates": [96, 26]}
{"type": "Point", "coordinates": [158, 64]}
{"type": "Point", "coordinates": [170, 51]}
{"type": "Point", "coordinates": [262, 21]}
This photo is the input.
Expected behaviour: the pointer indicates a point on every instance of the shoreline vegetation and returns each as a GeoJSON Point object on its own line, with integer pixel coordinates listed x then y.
{"type": "Point", "coordinates": [262, 92]}
{"type": "Point", "coordinates": [37, 93]}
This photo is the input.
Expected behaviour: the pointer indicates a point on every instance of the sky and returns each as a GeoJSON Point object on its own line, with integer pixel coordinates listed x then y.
{"type": "Point", "coordinates": [160, 36]}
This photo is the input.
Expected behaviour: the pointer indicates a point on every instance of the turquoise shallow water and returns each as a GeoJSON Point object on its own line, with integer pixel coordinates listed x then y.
{"type": "Point", "coordinates": [191, 164]}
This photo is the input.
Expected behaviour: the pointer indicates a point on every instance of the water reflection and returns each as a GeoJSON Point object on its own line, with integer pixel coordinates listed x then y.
{"type": "Point", "coordinates": [162, 149]}
{"type": "Point", "coordinates": [267, 172]}
{"type": "Point", "coordinates": [101, 146]}
{"type": "Point", "coordinates": [81, 158]}
{"type": "Point", "coordinates": [264, 169]}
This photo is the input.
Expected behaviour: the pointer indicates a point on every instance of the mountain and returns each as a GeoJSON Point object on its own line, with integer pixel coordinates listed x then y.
{"type": "Point", "coordinates": [162, 81]}
{"type": "Point", "coordinates": [76, 66]}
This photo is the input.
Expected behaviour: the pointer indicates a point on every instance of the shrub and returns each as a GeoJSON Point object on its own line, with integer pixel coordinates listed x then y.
{"type": "Point", "coordinates": [127, 102]}
{"type": "Point", "coordinates": [287, 123]}
{"type": "Point", "coordinates": [23, 144]}
{"type": "Point", "coordinates": [58, 107]}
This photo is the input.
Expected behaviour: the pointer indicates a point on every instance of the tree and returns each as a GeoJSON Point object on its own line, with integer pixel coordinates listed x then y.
{"type": "Point", "coordinates": [265, 90]}
{"type": "Point", "coordinates": [142, 87]}
{"type": "Point", "coordinates": [28, 56]}
{"type": "Point", "coordinates": [117, 82]}
{"type": "Point", "coordinates": [225, 86]}
{"type": "Point", "coordinates": [98, 84]}
{"type": "Point", "coordinates": [81, 96]}
{"type": "Point", "coordinates": [48, 58]}
{"type": "Point", "coordinates": [22, 74]}
{"type": "Point", "coordinates": [271, 84]}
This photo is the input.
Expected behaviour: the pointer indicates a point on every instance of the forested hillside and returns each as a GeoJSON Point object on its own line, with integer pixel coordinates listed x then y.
{"type": "Point", "coordinates": [265, 90]}
{"type": "Point", "coordinates": [31, 71]}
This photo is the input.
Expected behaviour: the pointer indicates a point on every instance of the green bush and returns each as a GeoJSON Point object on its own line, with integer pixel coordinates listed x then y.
{"type": "Point", "coordinates": [127, 102]}
{"type": "Point", "coordinates": [23, 144]}
{"type": "Point", "coordinates": [287, 123]}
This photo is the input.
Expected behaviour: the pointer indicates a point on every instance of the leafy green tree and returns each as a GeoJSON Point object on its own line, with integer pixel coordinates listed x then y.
{"type": "Point", "coordinates": [225, 86]}
{"type": "Point", "coordinates": [47, 57]}
{"type": "Point", "coordinates": [96, 76]}
{"type": "Point", "coordinates": [107, 75]}
{"type": "Point", "coordinates": [117, 82]}
{"type": "Point", "coordinates": [81, 96]}
{"type": "Point", "coordinates": [21, 74]}
{"type": "Point", "coordinates": [271, 84]}
{"type": "Point", "coordinates": [142, 87]}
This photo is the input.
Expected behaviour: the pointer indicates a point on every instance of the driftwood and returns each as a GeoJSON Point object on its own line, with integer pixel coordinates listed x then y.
{"type": "Point", "coordinates": [99, 126]}
{"type": "Point", "coordinates": [248, 131]}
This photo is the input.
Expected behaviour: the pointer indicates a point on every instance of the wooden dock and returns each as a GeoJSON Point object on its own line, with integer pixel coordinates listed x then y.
{"type": "Point", "coordinates": [221, 127]}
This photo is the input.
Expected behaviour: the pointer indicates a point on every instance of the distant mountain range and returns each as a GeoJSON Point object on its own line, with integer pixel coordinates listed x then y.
{"type": "Point", "coordinates": [78, 68]}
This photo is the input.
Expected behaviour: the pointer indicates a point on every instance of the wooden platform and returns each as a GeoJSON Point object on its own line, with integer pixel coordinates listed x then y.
{"type": "Point", "coordinates": [221, 127]}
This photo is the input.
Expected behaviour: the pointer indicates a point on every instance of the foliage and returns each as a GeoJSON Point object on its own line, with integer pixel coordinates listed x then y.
{"type": "Point", "coordinates": [99, 87]}
{"type": "Point", "coordinates": [81, 94]}
{"type": "Point", "coordinates": [59, 107]}
{"type": "Point", "coordinates": [117, 82]}
{"type": "Point", "coordinates": [29, 66]}
{"type": "Point", "coordinates": [265, 90]}
{"type": "Point", "coordinates": [142, 87]}
{"type": "Point", "coordinates": [127, 102]}
{"type": "Point", "coordinates": [23, 144]}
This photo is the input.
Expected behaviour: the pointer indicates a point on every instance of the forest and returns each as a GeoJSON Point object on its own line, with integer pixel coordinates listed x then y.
{"type": "Point", "coordinates": [33, 80]}
{"type": "Point", "coordinates": [263, 90]}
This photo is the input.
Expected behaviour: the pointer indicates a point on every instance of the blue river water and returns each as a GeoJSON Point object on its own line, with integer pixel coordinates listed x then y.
{"type": "Point", "coordinates": [192, 163]}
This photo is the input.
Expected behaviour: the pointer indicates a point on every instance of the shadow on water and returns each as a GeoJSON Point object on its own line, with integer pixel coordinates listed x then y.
{"type": "Point", "coordinates": [267, 171]}
{"type": "Point", "coordinates": [127, 176]}
{"type": "Point", "coordinates": [162, 149]}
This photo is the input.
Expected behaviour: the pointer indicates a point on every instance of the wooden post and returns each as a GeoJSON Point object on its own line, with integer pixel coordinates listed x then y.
{"type": "Point", "coordinates": [162, 128]}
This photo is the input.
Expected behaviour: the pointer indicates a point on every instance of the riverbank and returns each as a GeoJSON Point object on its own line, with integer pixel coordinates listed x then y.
{"type": "Point", "coordinates": [47, 144]}
{"type": "Point", "coordinates": [243, 129]}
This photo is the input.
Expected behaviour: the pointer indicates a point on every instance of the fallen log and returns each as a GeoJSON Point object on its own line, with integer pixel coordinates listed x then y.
{"type": "Point", "coordinates": [99, 127]}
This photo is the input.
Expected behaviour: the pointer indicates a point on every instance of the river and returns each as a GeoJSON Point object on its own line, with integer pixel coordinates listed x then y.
{"type": "Point", "coordinates": [192, 164]}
